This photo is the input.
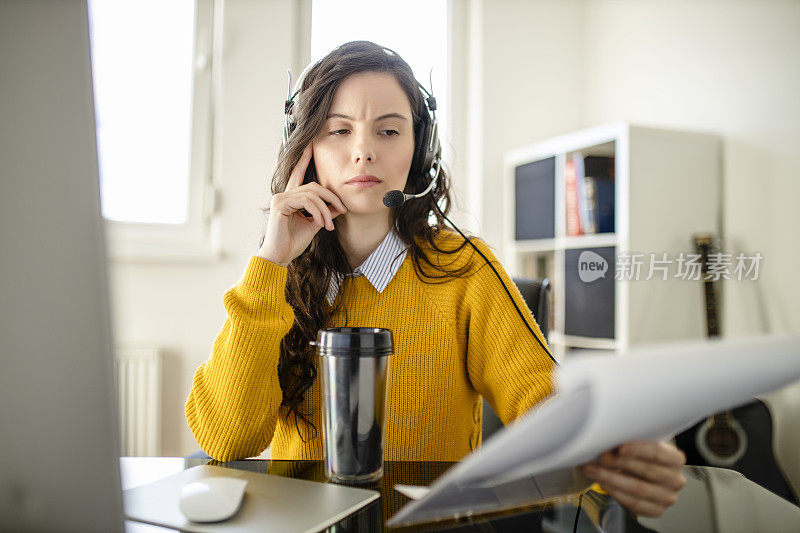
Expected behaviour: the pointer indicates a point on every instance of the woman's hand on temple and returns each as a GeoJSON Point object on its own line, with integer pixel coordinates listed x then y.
{"type": "Point", "coordinates": [289, 232]}
{"type": "Point", "coordinates": [644, 477]}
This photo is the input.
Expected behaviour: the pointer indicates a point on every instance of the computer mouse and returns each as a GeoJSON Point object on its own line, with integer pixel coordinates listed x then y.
{"type": "Point", "coordinates": [212, 499]}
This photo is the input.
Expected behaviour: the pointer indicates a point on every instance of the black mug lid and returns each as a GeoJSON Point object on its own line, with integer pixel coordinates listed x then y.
{"type": "Point", "coordinates": [354, 342]}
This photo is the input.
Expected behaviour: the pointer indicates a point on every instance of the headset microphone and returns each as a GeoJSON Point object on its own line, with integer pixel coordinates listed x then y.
{"type": "Point", "coordinates": [396, 198]}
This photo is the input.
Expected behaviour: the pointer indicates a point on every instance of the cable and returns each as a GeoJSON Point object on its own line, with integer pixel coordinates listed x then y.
{"type": "Point", "coordinates": [502, 282]}
{"type": "Point", "coordinates": [577, 514]}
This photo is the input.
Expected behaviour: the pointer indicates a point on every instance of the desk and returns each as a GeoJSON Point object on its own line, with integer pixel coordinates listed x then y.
{"type": "Point", "coordinates": [713, 500]}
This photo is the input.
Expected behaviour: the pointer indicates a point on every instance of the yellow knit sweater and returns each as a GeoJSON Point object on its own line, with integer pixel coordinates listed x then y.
{"type": "Point", "coordinates": [454, 342]}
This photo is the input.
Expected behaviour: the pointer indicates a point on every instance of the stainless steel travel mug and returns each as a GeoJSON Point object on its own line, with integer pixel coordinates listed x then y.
{"type": "Point", "coordinates": [354, 368]}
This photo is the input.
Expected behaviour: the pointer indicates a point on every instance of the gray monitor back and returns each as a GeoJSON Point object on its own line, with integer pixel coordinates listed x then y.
{"type": "Point", "coordinates": [58, 453]}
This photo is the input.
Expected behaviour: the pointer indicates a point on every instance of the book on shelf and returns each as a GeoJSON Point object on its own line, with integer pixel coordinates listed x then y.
{"type": "Point", "coordinates": [588, 206]}
{"type": "Point", "coordinates": [589, 194]}
{"type": "Point", "coordinates": [584, 222]}
{"type": "Point", "coordinates": [604, 204]}
{"type": "Point", "coordinates": [599, 165]}
{"type": "Point", "coordinates": [573, 210]}
{"type": "Point", "coordinates": [599, 171]}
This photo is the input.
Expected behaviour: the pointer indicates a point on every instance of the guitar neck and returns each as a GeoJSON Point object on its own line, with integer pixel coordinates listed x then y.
{"type": "Point", "coordinates": [703, 245]}
{"type": "Point", "coordinates": [712, 324]}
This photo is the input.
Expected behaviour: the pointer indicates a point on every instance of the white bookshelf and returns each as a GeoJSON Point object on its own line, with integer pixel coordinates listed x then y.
{"type": "Point", "coordinates": [667, 187]}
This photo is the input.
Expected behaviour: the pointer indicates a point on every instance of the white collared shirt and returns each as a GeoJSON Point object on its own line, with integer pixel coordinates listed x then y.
{"type": "Point", "coordinates": [379, 268]}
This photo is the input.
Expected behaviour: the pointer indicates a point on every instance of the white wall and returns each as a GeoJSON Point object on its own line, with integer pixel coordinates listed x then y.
{"type": "Point", "coordinates": [526, 85]}
{"type": "Point", "coordinates": [525, 71]}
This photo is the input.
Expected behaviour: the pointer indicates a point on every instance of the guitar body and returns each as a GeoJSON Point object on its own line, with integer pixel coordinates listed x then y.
{"type": "Point", "coordinates": [757, 462]}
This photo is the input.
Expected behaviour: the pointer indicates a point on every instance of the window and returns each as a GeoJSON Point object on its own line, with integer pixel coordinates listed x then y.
{"type": "Point", "coordinates": [152, 82]}
{"type": "Point", "coordinates": [415, 29]}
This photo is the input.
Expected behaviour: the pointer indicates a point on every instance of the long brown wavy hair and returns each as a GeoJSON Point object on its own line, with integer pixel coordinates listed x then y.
{"type": "Point", "coordinates": [417, 221]}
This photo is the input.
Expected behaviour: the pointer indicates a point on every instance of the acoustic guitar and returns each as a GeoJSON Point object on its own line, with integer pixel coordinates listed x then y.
{"type": "Point", "coordinates": [739, 439]}
{"type": "Point", "coordinates": [722, 440]}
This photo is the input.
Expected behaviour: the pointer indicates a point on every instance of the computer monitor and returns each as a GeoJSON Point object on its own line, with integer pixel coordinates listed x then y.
{"type": "Point", "coordinates": [59, 468]}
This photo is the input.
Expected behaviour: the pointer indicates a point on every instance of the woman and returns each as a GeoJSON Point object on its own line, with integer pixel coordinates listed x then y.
{"type": "Point", "coordinates": [359, 115]}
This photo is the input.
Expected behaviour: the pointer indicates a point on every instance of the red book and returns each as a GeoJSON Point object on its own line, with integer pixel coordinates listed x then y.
{"type": "Point", "coordinates": [573, 216]}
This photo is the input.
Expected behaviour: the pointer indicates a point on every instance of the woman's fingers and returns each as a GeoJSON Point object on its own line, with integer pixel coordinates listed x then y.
{"type": "Point", "coordinates": [653, 452]}
{"type": "Point", "coordinates": [300, 200]}
{"type": "Point", "coordinates": [299, 170]}
{"type": "Point", "coordinates": [289, 203]}
{"type": "Point", "coordinates": [308, 204]}
{"type": "Point", "coordinates": [323, 209]}
{"type": "Point", "coordinates": [302, 196]}
{"type": "Point", "coordinates": [666, 476]}
{"type": "Point", "coordinates": [620, 483]}
{"type": "Point", "coordinates": [329, 196]}
{"type": "Point", "coordinates": [645, 477]}
{"type": "Point", "coordinates": [323, 195]}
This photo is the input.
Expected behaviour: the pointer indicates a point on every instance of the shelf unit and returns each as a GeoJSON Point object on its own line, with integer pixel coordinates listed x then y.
{"type": "Point", "coordinates": [666, 188]}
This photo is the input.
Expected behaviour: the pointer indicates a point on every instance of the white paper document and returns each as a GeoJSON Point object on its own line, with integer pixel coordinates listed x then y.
{"type": "Point", "coordinates": [648, 393]}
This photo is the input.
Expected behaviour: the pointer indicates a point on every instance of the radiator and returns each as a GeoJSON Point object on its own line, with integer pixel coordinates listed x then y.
{"type": "Point", "coordinates": [138, 377]}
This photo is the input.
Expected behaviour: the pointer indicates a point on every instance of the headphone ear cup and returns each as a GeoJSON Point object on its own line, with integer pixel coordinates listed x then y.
{"type": "Point", "coordinates": [419, 160]}
{"type": "Point", "coordinates": [430, 149]}
{"type": "Point", "coordinates": [433, 147]}
{"type": "Point", "coordinates": [288, 128]}
{"type": "Point", "coordinates": [423, 160]}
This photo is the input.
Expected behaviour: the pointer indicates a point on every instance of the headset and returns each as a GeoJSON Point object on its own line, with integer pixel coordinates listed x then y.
{"type": "Point", "coordinates": [427, 160]}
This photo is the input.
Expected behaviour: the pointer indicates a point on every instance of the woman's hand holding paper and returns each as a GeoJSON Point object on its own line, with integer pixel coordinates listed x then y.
{"type": "Point", "coordinates": [644, 477]}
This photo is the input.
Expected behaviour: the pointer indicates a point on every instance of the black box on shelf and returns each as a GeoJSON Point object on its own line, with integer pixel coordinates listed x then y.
{"type": "Point", "coordinates": [589, 292]}
{"type": "Point", "coordinates": [534, 206]}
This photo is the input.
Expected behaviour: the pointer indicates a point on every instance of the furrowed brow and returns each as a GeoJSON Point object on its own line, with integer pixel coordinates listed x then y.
{"type": "Point", "coordinates": [391, 115]}
{"type": "Point", "coordinates": [382, 117]}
